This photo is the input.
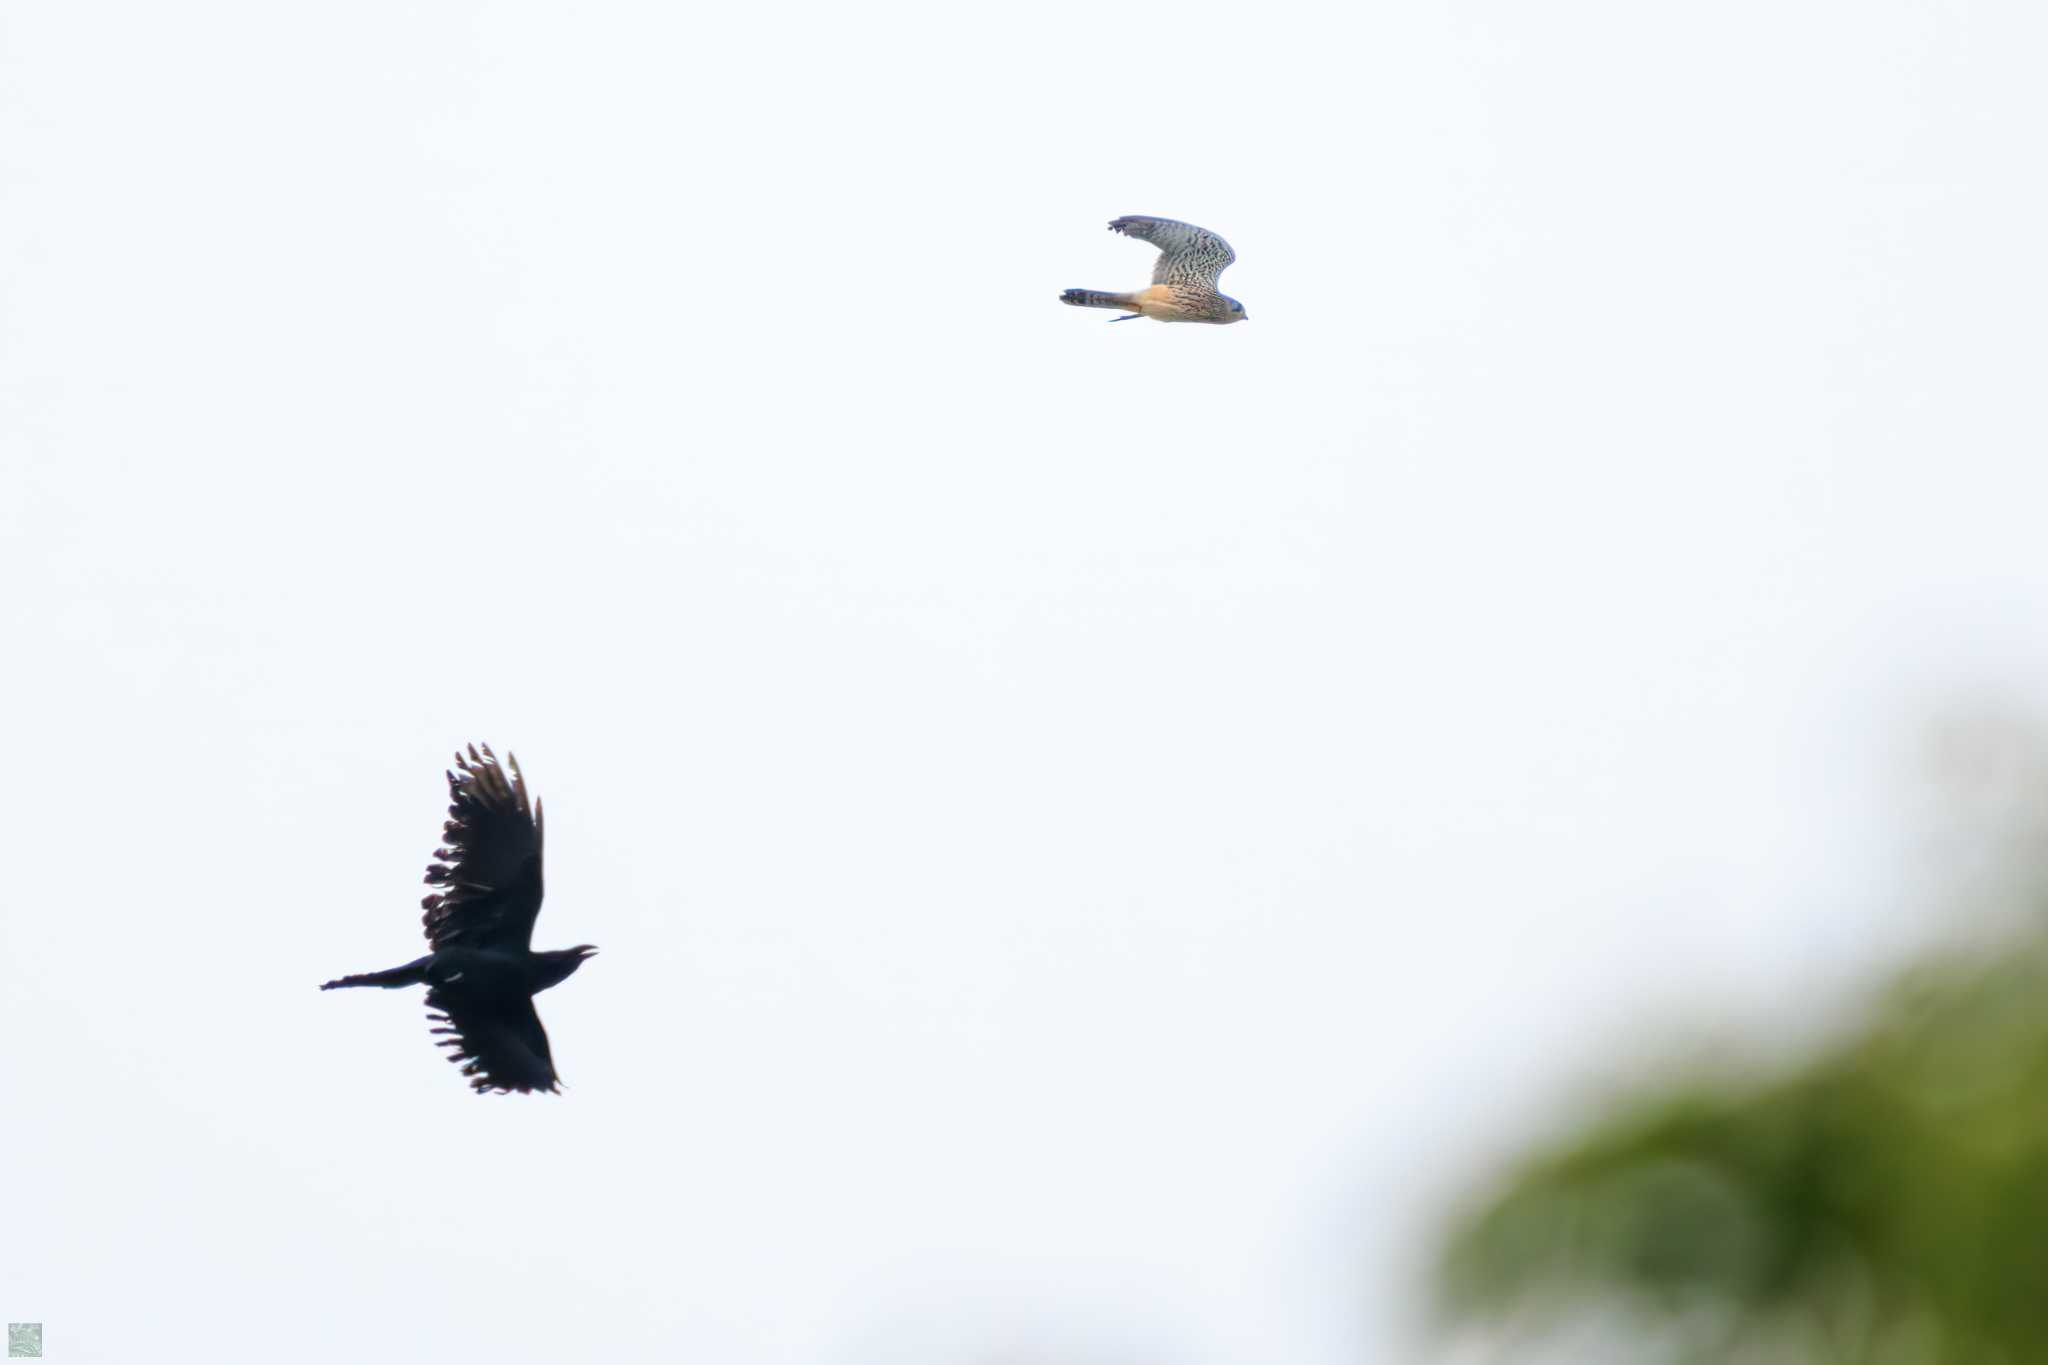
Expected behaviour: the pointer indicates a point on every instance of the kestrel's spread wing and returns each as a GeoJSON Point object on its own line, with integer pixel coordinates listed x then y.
{"type": "Point", "coordinates": [1188, 255]}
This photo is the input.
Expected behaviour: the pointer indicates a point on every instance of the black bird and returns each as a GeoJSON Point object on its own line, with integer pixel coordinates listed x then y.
{"type": "Point", "coordinates": [482, 974]}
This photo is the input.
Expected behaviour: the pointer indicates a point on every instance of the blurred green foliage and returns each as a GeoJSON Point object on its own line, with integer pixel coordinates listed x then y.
{"type": "Point", "coordinates": [1885, 1200]}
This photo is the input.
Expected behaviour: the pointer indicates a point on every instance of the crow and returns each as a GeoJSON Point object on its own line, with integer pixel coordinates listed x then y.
{"type": "Point", "coordinates": [482, 974]}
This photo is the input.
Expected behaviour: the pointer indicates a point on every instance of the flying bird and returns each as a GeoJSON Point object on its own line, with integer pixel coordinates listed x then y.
{"type": "Point", "coordinates": [1183, 282]}
{"type": "Point", "coordinates": [482, 973]}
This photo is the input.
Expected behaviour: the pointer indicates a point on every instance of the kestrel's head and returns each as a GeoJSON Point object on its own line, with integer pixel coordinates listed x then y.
{"type": "Point", "coordinates": [1233, 311]}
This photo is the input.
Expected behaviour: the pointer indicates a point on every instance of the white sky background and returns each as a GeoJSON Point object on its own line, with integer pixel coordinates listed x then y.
{"type": "Point", "coordinates": [1095, 831]}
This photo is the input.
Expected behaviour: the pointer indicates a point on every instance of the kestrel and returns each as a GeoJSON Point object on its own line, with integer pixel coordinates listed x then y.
{"type": "Point", "coordinates": [1183, 283]}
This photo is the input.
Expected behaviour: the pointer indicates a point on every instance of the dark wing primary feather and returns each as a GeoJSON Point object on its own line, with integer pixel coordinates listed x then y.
{"type": "Point", "coordinates": [499, 1043]}
{"type": "Point", "coordinates": [1187, 254]}
{"type": "Point", "coordinates": [490, 864]}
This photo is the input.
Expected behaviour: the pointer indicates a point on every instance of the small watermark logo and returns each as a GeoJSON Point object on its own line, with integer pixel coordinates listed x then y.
{"type": "Point", "coordinates": [24, 1339]}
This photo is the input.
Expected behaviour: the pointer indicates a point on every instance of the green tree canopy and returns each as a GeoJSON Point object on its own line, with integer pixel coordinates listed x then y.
{"type": "Point", "coordinates": [1885, 1200]}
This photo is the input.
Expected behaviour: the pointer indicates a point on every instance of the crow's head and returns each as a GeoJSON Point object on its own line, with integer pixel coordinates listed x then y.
{"type": "Point", "coordinates": [555, 967]}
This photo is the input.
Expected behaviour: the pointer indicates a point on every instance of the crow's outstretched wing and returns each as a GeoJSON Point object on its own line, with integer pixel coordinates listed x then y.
{"type": "Point", "coordinates": [1187, 254]}
{"type": "Point", "coordinates": [499, 1044]}
{"type": "Point", "coordinates": [490, 862]}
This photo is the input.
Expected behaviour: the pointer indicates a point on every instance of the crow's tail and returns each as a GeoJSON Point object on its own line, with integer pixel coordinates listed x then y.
{"type": "Point", "coordinates": [411, 974]}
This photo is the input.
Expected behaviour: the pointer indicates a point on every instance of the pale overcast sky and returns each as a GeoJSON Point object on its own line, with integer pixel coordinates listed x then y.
{"type": "Point", "coordinates": [1096, 831]}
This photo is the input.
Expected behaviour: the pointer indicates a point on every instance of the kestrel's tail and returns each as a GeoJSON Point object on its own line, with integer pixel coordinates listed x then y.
{"type": "Point", "coordinates": [1095, 298]}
